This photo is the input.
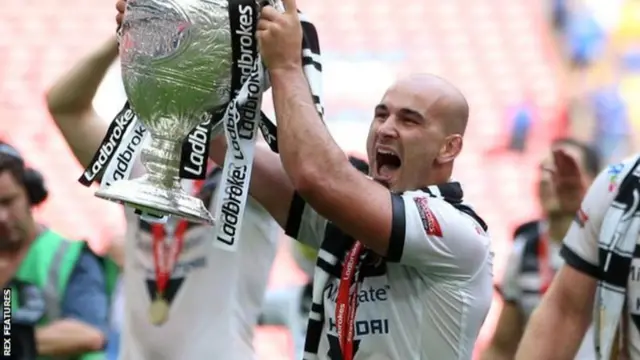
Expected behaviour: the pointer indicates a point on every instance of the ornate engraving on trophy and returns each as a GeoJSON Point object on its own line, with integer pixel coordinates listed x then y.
{"type": "Point", "coordinates": [176, 65]}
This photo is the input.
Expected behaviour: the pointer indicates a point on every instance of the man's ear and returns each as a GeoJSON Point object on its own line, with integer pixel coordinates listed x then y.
{"type": "Point", "coordinates": [450, 149]}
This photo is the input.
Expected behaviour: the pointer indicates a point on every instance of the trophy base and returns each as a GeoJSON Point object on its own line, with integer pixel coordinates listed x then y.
{"type": "Point", "coordinates": [148, 198]}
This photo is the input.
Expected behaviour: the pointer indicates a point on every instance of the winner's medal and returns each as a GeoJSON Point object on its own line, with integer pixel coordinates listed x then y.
{"type": "Point", "coordinates": [159, 311]}
{"type": "Point", "coordinates": [165, 257]}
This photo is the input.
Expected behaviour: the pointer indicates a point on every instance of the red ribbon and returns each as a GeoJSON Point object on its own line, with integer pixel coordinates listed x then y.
{"type": "Point", "coordinates": [544, 264]}
{"type": "Point", "coordinates": [347, 302]}
{"type": "Point", "coordinates": [165, 255]}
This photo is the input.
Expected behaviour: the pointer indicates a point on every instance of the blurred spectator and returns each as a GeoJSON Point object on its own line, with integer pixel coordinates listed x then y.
{"type": "Point", "coordinates": [559, 13]}
{"type": "Point", "coordinates": [584, 37]}
{"type": "Point", "coordinates": [522, 120]}
{"type": "Point", "coordinates": [625, 41]}
{"type": "Point", "coordinates": [612, 124]}
{"type": "Point", "coordinates": [116, 318]}
{"type": "Point", "coordinates": [116, 315]}
{"type": "Point", "coordinates": [59, 286]}
{"type": "Point", "coordinates": [520, 117]}
{"type": "Point", "coordinates": [535, 257]}
{"type": "Point", "coordinates": [602, 48]}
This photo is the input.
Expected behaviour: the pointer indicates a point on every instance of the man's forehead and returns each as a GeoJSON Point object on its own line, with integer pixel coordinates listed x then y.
{"type": "Point", "coordinates": [402, 96]}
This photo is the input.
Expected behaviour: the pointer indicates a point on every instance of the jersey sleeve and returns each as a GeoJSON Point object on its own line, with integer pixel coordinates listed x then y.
{"type": "Point", "coordinates": [429, 233]}
{"type": "Point", "coordinates": [580, 245]}
{"type": "Point", "coordinates": [305, 224]}
{"type": "Point", "coordinates": [510, 288]}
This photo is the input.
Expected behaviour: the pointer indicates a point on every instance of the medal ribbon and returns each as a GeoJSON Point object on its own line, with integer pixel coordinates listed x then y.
{"type": "Point", "coordinates": [544, 264]}
{"type": "Point", "coordinates": [347, 302]}
{"type": "Point", "coordinates": [165, 257]}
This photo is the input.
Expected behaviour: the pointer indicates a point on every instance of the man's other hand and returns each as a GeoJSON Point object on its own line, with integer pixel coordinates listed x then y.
{"type": "Point", "coordinates": [280, 37]}
{"type": "Point", "coordinates": [568, 181]}
{"type": "Point", "coordinates": [121, 5]}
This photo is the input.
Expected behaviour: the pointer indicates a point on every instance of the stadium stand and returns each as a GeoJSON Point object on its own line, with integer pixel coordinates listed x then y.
{"type": "Point", "coordinates": [495, 50]}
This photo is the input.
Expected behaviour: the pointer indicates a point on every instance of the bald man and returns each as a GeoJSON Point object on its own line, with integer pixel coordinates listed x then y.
{"type": "Point", "coordinates": [417, 282]}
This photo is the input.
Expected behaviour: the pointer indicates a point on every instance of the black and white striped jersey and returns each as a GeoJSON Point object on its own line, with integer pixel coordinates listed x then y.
{"type": "Point", "coordinates": [522, 284]}
{"type": "Point", "coordinates": [426, 300]}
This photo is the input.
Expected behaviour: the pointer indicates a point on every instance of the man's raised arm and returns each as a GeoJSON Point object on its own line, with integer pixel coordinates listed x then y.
{"type": "Point", "coordinates": [70, 102]}
{"type": "Point", "coordinates": [315, 165]}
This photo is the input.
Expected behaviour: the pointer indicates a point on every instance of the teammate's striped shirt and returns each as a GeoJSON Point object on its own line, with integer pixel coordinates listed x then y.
{"type": "Point", "coordinates": [581, 249]}
{"type": "Point", "coordinates": [522, 282]}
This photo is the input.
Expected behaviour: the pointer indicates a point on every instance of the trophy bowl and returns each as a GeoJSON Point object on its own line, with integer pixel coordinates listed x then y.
{"type": "Point", "coordinates": [176, 59]}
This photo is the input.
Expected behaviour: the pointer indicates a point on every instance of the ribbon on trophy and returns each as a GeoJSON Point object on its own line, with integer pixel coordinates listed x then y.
{"type": "Point", "coordinates": [240, 121]}
{"type": "Point", "coordinates": [243, 117]}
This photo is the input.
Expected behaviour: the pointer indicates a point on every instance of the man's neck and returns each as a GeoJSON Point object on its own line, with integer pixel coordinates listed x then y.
{"type": "Point", "coordinates": [441, 175]}
{"type": "Point", "coordinates": [558, 226]}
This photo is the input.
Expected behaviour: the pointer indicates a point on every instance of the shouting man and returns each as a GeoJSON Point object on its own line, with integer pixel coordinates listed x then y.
{"type": "Point", "coordinates": [404, 266]}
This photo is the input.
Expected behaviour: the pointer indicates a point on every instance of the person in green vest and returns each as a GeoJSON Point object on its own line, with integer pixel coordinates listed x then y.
{"type": "Point", "coordinates": [59, 287]}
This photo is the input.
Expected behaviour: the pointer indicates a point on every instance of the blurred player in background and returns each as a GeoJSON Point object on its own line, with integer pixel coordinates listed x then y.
{"type": "Point", "coordinates": [214, 296]}
{"type": "Point", "coordinates": [599, 281]}
{"type": "Point", "coordinates": [535, 256]}
{"type": "Point", "coordinates": [61, 304]}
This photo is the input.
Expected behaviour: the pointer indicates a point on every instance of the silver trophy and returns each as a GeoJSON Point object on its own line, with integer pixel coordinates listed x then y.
{"type": "Point", "coordinates": [176, 61]}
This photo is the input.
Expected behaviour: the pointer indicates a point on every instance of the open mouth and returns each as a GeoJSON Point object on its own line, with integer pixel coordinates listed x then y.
{"type": "Point", "coordinates": [387, 163]}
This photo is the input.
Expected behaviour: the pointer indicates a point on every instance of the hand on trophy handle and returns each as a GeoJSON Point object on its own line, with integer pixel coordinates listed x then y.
{"type": "Point", "coordinates": [280, 35]}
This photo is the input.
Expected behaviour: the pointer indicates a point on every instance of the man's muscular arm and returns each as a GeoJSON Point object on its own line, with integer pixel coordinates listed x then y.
{"type": "Point", "coordinates": [505, 340]}
{"type": "Point", "coordinates": [316, 168]}
{"type": "Point", "coordinates": [511, 322]}
{"type": "Point", "coordinates": [70, 102]}
{"type": "Point", "coordinates": [321, 173]}
{"type": "Point", "coordinates": [558, 325]}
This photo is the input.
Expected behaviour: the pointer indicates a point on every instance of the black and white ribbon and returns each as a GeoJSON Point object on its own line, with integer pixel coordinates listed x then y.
{"type": "Point", "coordinates": [240, 123]}
{"type": "Point", "coordinates": [243, 118]}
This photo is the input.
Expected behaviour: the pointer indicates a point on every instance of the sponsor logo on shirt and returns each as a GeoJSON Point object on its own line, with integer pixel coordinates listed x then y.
{"type": "Point", "coordinates": [429, 220]}
{"type": "Point", "coordinates": [613, 172]}
{"type": "Point", "coordinates": [365, 295]}
{"type": "Point", "coordinates": [363, 326]}
{"type": "Point", "coordinates": [480, 231]}
{"type": "Point", "coordinates": [581, 218]}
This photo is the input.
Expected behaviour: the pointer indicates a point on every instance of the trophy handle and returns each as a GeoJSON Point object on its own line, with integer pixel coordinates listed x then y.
{"type": "Point", "coordinates": [159, 192]}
